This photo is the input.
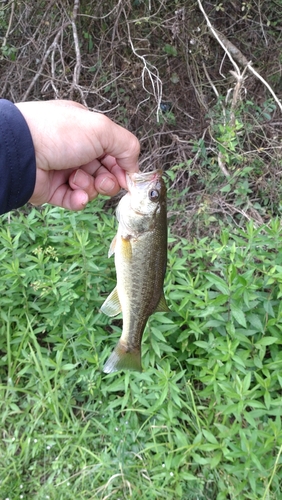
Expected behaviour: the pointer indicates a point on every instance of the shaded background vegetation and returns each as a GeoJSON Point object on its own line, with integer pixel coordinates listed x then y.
{"type": "Point", "coordinates": [204, 419]}
{"type": "Point", "coordinates": [156, 68]}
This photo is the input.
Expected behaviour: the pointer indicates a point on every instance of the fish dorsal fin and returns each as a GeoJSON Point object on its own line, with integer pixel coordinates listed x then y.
{"type": "Point", "coordinates": [162, 305]}
{"type": "Point", "coordinates": [112, 247]}
{"type": "Point", "coordinates": [111, 306]}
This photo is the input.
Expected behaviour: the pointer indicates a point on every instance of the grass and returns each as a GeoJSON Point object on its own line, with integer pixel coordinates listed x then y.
{"type": "Point", "coordinates": [203, 421]}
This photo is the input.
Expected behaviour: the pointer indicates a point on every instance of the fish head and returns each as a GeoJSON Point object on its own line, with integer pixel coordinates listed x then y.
{"type": "Point", "coordinates": [147, 192]}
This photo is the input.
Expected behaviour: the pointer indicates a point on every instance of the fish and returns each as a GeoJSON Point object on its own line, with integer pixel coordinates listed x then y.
{"type": "Point", "coordinates": [140, 248]}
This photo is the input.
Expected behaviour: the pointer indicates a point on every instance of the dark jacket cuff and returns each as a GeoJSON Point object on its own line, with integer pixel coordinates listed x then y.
{"type": "Point", "coordinates": [17, 158]}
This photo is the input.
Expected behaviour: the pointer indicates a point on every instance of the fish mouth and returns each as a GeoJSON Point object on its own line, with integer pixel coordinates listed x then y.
{"type": "Point", "coordinates": [142, 177]}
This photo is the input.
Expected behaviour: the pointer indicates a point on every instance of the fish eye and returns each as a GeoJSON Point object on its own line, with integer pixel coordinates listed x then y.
{"type": "Point", "coordinates": [154, 195]}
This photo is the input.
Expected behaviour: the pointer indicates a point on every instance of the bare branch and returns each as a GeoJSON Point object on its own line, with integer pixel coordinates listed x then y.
{"type": "Point", "coordinates": [252, 69]}
{"type": "Point", "coordinates": [231, 50]}
{"type": "Point", "coordinates": [215, 34]}
{"type": "Point", "coordinates": [9, 25]}
{"type": "Point", "coordinates": [150, 71]}
{"type": "Point", "coordinates": [77, 68]}
{"type": "Point", "coordinates": [221, 164]}
{"type": "Point", "coordinates": [46, 55]}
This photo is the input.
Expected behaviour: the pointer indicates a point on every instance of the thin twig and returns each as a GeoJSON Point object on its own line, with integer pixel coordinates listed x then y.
{"type": "Point", "coordinates": [215, 34]}
{"type": "Point", "coordinates": [221, 164]}
{"type": "Point", "coordinates": [9, 25]}
{"type": "Point", "coordinates": [265, 495]}
{"type": "Point", "coordinates": [98, 18]}
{"type": "Point", "coordinates": [252, 69]}
{"type": "Point", "coordinates": [46, 55]}
{"type": "Point", "coordinates": [77, 68]}
{"type": "Point", "coordinates": [209, 80]}
{"type": "Point", "coordinates": [151, 71]}
{"type": "Point", "coordinates": [231, 50]}
{"type": "Point", "coordinates": [236, 94]}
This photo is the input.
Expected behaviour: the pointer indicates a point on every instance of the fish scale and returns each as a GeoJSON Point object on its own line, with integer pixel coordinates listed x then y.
{"type": "Point", "coordinates": [140, 248]}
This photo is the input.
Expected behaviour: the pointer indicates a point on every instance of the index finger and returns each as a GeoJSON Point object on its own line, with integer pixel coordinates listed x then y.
{"type": "Point", "coordinates": [111, 164]}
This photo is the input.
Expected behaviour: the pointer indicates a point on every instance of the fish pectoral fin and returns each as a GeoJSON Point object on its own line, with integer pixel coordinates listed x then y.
{"type": "Point", "coordinates": [126, 248]}
{"type": "Point", "coordinates": [162, 305]}
{"type": "Point", "coordinates": [112, 247]}
{"type": "Point", "coordinates": [111, 306]}
{"type": "Point", "coordinates": [123, 359]}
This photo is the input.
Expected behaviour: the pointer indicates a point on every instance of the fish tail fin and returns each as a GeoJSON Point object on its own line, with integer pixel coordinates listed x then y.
{"type": "Point", "coordinates": [123, 359]}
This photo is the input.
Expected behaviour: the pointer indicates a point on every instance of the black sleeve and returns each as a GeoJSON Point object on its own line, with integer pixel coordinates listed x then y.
{"type": "Point", "coordinates": [17, 158]}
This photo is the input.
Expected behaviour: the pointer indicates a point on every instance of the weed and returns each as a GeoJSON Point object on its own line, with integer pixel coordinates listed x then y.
{"type": "Point", "coordinates": [204, 418]}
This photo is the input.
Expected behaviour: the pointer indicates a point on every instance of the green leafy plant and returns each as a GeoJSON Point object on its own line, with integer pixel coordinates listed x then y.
{"type": "Point", "coordinates": [204, 418]}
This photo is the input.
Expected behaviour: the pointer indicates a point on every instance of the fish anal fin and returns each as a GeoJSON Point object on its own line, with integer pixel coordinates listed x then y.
{"type": "Point", "coordinates": [123, 359]}
{"type": "Point", "coordinates": [162, 305]}
{"type": "Point", "coordinates": [111, 306]}
{"type": "Point", "coordinates": [112, 247]}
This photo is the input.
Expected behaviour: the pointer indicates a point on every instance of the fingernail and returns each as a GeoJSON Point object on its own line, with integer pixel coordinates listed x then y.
{"type": "Point", "coordinates": [107, 185]}
{"type": "Point", "coordinates": [81, 179]}
{"type": "Point", "coordinates": [84, 200]}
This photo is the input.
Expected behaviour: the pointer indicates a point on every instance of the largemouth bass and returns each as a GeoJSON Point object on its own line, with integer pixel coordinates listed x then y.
{"type": "Point", "coordinates": [140, 248]}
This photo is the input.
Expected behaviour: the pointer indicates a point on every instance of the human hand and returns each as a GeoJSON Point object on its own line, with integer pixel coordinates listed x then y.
{"type": "Point", "coordinates": [79, 154]}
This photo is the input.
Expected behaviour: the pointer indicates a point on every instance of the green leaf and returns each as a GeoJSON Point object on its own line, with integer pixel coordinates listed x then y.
{"type": "Point", "coordinates": [267, 399]}
{"type": "Point", "coordinates": [200, 460]}
{"type": "Point", "coordinates": [265, 341]}
{"type": "Point", "coordinates": [188, 477]}
{"type": "Point", "coordinates": [255, 321]}
{"type": "Point", "coordinates": [238, 315]}
{"type": "Point", "coordinates": [69, 366]}
{"type": "Point", "coordinates": [218, 283]}
{"type": "Point", "coordinates": [216, 459]}
{"type": "Point", "coordinates": [247, 382]}
{"type": "Point", "coordinates": [210, 437]}
{"type": "Point", "coordinates": [171, 50]}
